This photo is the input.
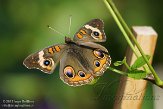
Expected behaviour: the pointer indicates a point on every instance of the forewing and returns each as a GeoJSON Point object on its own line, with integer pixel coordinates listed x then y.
{"type": "Point", "coordinates": [93, 31]}
{"type": "Point", "coordinates": [46, 59]}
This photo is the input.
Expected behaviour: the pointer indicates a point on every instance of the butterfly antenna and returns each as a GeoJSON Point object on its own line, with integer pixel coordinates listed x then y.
{"type": "Point", "coordinates": [69, 29]}
{"type": "Point", "coordinates": [56, 31]}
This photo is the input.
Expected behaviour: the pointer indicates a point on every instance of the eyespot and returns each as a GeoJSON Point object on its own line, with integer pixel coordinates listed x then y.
{"type": "Point", "coordinates": [69, 72]}
{"type": "Point", "coordinates": [95, 33]}
{"type": "Point", "coordinates": [47, 62]}
{"type": "Point", "coordinates": [99, 53]}
{"type": "Point", "coordinates": [81, 74]}
{"type": "Point", "coordinates": [97, 63]}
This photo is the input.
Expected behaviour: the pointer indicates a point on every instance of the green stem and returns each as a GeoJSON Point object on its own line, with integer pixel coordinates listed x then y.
{"type": "Point", "coordinates": [127, 66]}
{"type": "Point", "coordinates": [125, 27]}
{"type": "Point", "coordinates": [117, 71]}
{"type": "Point", "coordinates": [121, 27]}
{"type": "Point", "coordinates": [125, 30]}
{"type": "Point", "coordinates": [112, 8]}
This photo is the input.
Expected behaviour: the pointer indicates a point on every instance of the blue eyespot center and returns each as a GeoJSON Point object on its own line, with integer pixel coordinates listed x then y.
{"type": "Point", "coordinates": [81, 74]}
{"type": "Point", "coordinates": [69, 74]}
{"type": "Point", "coordinates": [95, 33]}
{"type": "Point", "coordinates": [97, 63]}
{"type": "Point", "coordinates": [46, 62]}
{"type": "Point", "coordinates": [99, 53]}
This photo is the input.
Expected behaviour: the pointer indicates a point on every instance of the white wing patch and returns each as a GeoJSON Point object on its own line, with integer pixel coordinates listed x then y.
{"type": "Point", "coordinates": [92, 28]}
{"type": "Point", "coordinates": [41, 58]}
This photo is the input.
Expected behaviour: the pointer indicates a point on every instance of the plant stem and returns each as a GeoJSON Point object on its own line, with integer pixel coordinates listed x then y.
{"type": "Point", "coordinates": [117, 71]}
{"type": "Point", "coordinates": [116, 18]}
{"type": "Point", "coordinates": [121, 27]}
{"type": "Point", "coordinates": [125, 27]}
{"type": "Point", "coordinates": [127, 66]}
{"type": "Point", "coordinates": [125, 30]}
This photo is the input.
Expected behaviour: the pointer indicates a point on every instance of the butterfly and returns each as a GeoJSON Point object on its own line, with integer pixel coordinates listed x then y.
{"type": "Point", "coordinates": [81, 59]}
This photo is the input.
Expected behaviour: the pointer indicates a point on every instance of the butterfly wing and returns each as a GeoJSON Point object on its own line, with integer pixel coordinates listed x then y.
{"type": "Point", "coordinates": [80, 65]}
{"type": "Point", "coordinates": [97, 56]}
{"type": "Point", "coordinates": [46, 59]}
{"type": "Point", "coordinates": [93, 31]}
{"type": "Point", "coordinates": [72, 72]}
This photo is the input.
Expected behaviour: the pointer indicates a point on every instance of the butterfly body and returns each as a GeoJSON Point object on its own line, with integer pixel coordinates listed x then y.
{"type": "Point", "coordinates": [81, 59]}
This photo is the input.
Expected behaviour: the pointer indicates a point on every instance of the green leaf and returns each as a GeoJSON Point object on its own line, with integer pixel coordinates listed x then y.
{"type": "Point", "coordinates": [118, 63]}
{"type": "Point", "coordinates": [94, 81]}
{"type": "Point", "coordinates": [136, 74]}
{"type": "Point", "coordinates": [139, 62]}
